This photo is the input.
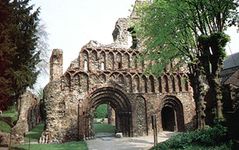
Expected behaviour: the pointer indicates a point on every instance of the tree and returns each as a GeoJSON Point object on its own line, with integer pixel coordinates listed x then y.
{"type": "Point", "coordinates": [188, 30]}
{"type": "Point", "coordinates": [18, 55]}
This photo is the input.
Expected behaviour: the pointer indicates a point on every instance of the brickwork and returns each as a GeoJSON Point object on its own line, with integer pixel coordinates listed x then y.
{"type": "Point", "coordinates": [101, 76]}
{"type": "Point", "coordinates": [111, 74]}
{"type": "Point", "coordinates": [29, 116]}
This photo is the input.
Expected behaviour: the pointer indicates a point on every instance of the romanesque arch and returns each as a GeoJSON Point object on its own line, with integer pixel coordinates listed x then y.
{"type": "Point", "coordinates": [172, 117]}
{"type": "Point", "coordinates": [119, 101]}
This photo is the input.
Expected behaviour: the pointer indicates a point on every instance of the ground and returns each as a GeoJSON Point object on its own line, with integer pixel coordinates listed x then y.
{"type": "Point", "coordinates": [107, 142]}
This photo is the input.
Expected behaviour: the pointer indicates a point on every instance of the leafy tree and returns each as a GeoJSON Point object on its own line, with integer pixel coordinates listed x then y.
{"type": "Point", "coordinates": [101, 111]}
{"type": "Point", "coordinates": [18, 55]}
{"type": "Point", "coordinates": [190, 31]}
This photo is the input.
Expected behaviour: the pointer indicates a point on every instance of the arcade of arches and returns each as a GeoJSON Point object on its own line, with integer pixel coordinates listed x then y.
{"type": "Point", "coordinates": [71, 98]}
{"type": "Point", "coordinates": [111, 74]}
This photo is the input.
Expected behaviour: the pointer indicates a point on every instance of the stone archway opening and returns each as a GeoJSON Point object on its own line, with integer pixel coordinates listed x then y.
{"type": "Point", "coordinates": [168, 119]}
{"type": "Point", "coordinates": [119, 102]}
{"type": "Point", "coordinates": [103, 120]}
{"type": "Point", "coordinates": [172, 116]}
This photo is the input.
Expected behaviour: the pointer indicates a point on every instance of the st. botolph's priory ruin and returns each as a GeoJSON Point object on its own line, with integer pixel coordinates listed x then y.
{"type": "Point", "coordinates": [110, 74]}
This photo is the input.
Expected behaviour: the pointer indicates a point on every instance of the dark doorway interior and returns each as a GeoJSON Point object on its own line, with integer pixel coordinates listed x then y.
{"type": "Point", "coordinates": [168, 119]}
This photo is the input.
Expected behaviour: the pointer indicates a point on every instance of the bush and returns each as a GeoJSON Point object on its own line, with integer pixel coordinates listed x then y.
{"type": "Point", "coordinates": [210, 137]}
{"type": "Point", "coordinates": [101, 111]}
{"type": "Point", "coordinates": [4, 127]}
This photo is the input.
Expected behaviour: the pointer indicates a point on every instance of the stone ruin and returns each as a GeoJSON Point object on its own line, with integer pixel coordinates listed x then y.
{"type": "Point", "coordinates": [111, 74]}
{"type": "Point", "coordinates": [28, 116]}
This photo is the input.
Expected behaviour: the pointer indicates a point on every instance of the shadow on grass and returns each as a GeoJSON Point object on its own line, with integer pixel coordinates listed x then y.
{"type": "Point", "coordinates": [35, 133]}
{"type": "Point", "coordinates": [81, 145]}
{"type": "Point", "coordinates": [106, 128]}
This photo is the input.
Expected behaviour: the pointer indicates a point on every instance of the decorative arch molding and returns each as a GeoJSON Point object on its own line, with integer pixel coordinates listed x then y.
{"type": "Point", "coordinates": [94, 65]}
{"type": "Point", "coordinates": [126, 60]}
{"type": "Point", "coordinates": [102, 61]}
{"type": "Point", "coordinates": [185, 83]}
{"type": "Point", "coordinates": [136, 83]}
{"type": "Point", "coordinates": [174, 107]}
{"type": "Point", "coordinates": [119, 61]}
{"type": "Point", "coordinates": [144, 84]}
{"type": "Point", "coordinates": [152, 84]}
{"type": "Point", "coordinates": [119, 97]}
{"type": "Point", "coordinates": [110, 61]}
{"type": "Point", "coordinates": [128, 83]}
{"type": "Point", "coordinates": [119, 101]}
{"type": "Point", "coordinates": [85, 60]}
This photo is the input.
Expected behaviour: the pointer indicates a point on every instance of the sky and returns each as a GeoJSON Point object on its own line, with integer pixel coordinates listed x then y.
{"type": "Point", "coordinates": [71, 24]}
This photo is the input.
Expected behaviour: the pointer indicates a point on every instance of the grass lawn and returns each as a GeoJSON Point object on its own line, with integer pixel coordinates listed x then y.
{"type": "Point", "coordinates": [4, 127]}
{"type": "Point", "coordinates": [104, 128]}
{"type": "Point", "coordinates": [35, 133]}
{"type": "Point", "coordinates": [81, 145]}
{"type": "Point", "coordinates": [12, 114]}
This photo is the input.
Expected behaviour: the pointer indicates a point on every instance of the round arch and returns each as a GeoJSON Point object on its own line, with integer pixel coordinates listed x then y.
{"type": "Point", "coordinates": [172, 116]}
{"type": "Point", "coordinates": [119, 101]}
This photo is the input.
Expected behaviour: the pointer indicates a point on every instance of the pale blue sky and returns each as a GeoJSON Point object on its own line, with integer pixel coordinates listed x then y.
{"type": "Point", "coordinates": [70, 24]}
{"type": "Point", "coordinates": [73, 23]}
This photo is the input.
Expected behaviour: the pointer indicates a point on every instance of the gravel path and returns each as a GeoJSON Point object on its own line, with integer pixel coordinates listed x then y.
{"type": "Point", "coordinates": [107, 142]}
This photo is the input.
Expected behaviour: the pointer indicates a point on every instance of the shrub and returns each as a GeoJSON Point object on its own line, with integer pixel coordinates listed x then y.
{"type": "Point", "coordinates": [209, 137]}
{"type": "Point", "coordinates": [101, 111]}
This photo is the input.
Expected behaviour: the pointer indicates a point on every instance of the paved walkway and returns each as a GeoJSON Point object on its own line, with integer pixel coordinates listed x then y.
{"type": "Point", "coordinates": [107, 142]}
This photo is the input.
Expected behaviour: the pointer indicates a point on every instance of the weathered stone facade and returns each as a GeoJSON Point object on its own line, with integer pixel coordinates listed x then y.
{"type": "Point", "coordinates": [111, 74]}
{"type": "Point", "coordinates": [29, 116]}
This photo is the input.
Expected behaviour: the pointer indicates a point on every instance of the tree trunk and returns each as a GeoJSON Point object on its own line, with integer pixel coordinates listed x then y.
{"type": "Point", "coordinates": [215, 84]}
{"type": "Point", "coordinates": [212, 55]}
{"type": "Point", "coordinates": [195, 77]}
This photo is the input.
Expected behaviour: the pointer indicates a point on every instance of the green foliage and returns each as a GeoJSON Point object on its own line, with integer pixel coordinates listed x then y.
{"type": "Point", "coordinates": [4, 127]}
{"type": "Point", "coordinates": [35, 133]}
{"type": "Point", "coordinates": [210, 138]}
{"type": "Point", "coordinates": [101, 111]}
{"type": "Point", "coordinates": [173, 30]}
{"type": "Point", "coordinates": [79, 145]}
{"type": "Point", "coordinates": [34, 136]}
{"type": "Point", "coordinates": [170, 29]}
{"type": "Point", "coordinates": [99, 128]}
{"type": "Point", "coordinates": [11, 112]}
{"type": "Point", "coordinates": [18, 55]}
{"type": "Point", "coordinates": [9, 118]}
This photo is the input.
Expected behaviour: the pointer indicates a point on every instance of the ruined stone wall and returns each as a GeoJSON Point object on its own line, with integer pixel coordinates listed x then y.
{"type": "Point", "coordinates": [113, 74]}
{"type": "Point", "coordinates": [56, 64]}
{"type": "Point", "coordinates": [66, 99]}
{"type": "Point", "coordinates": [29, 116]}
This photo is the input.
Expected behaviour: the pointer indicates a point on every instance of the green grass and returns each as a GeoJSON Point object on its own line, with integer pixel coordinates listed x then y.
{"type": "Point", "coordinates": [104, 128]}
{"type": "Point", "coordinates": [81, 145]}
{"type": "Point", "coordinates": [4, 127]}
{"type": "Point", "coordinates": [11, 112]}
{"type": "Point", "coordinates": [35, 133]}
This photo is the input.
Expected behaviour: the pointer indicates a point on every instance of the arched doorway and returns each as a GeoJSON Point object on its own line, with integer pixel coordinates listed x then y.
{"type": "Point", "coordinates": [118, 100]}
{"type": "Point", "coordinates": [172, 115]}
{"type": "Point", "coordinates": [168, 119]}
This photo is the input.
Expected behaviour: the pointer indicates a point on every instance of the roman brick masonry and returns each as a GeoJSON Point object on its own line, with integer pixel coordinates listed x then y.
{"type": "Point", "coordinates": [111, 74]}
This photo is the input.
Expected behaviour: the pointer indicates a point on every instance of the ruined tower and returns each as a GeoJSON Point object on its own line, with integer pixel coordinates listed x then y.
{"type": "Point", "coordinates": [56, 62]}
